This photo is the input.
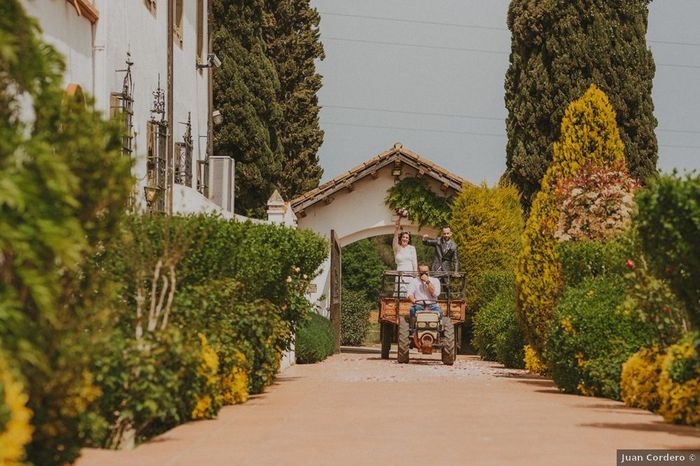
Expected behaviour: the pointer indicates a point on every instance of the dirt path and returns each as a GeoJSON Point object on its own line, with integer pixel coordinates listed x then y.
{"type": "Point", "coordinates": [356, 409]}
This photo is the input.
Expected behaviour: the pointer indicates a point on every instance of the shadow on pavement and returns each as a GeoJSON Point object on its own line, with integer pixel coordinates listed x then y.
{"type": "Point", "coordinates": [655, 426]}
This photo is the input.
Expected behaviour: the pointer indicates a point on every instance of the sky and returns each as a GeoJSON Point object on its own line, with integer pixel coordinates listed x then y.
{"type": "Point", "coordinates": [430, 74]}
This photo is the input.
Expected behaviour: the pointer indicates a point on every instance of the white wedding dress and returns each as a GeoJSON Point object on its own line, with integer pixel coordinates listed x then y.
{"type": "Point", "coordinates": [406, 261]}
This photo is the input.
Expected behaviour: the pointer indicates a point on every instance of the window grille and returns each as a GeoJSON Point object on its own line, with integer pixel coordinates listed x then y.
{"type": "Point", "coordinates": [183, 156]}
{"type": "Point", "coordinates": [157, 147]}
{"type": "Point", "coordinates": [122, 108]}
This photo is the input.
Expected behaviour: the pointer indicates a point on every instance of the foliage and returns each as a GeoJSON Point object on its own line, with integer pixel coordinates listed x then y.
{"type": "Point", "coordinates": [487, 224]}
{"type": "Point", "coordinates": [15, 431]}
{"type": "Point", "coordinates": [497, 334]}
{"type": "Point", "coordinates": [292, 39]}
{"type": "Point", "coordinates": [679, 384]}
{"type": "Point", "coordinates": [669, 229]}
{"type": "Point", "coordinates": [640, 378]}
{"type": "Point", "coordinates": [558, 49]}
{"type": "Point", "coordinates": [354, 323]}
{"type": "Point", "coordinates": [315, 340]}
{"type": "Point", "coordinates": [423, 205]}
{"type": "Point", "coordinates": [588, 135]}
{"type": "Point", "coordinates": [245, 92]}
{"type": "Point", "coordinates": [592, 259]}
{"type": "Point", "coordinates": [651, 302]}
{"type": "Point", "coordinates": [589, 339]}
{"type": "Point", "coordinates": [64, 185]}
{"type": "Point", "coordinates": [207, 390]}
{"type": "Point", "coordinates": [595, 204]}
{"type": "Point", "coordinates": [533, 361]}
{"type": "Point", "coordinates": [362, 269]}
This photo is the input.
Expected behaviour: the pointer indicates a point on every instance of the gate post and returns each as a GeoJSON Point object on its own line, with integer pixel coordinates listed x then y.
{"type": "Point", "coordinates": [336, 277]}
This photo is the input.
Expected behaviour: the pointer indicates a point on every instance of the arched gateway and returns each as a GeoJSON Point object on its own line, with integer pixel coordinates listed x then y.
{"type": "Point", "coordinates": [352, 207]}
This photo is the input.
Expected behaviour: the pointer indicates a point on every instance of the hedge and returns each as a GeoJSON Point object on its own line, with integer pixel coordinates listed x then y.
{"type": "Point", "coordinates": [315, 340]}
{"type": "Point", "coordinates": [354, 322]}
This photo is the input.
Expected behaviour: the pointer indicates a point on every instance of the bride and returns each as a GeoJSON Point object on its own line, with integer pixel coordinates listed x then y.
{"type": "Point", "coordinates": [404, 255]}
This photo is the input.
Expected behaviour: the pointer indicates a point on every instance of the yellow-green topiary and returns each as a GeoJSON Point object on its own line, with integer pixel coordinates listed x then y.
{"type": "Point", "coordinates": [640, 378]}
{"type": "Point", "coordinates": [487, 224]}
{"type": "Point", "coordinates": [15, 430]}
{"type": "Point", "coordinates": [589, 134]}
{"type": "Point", "coordinates": [679, 383]}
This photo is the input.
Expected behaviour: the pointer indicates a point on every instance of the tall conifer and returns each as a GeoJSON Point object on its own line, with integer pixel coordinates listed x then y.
{"type": "Point", "coordinates": [245, 92]}
{"type": "Point", "coordinates": [559, 48]}
{"type": "Point", "coordinates": [293, 45]}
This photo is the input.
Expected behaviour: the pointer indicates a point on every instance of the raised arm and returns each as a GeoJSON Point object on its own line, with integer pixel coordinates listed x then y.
{"type": "Point", "coordinates": [428, 241]}
{"type": "Point", "coordinates": [395, 242]}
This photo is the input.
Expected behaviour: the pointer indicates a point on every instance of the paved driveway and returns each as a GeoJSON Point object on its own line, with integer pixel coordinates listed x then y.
{"type": "Point", "coordinates": [356, 409]}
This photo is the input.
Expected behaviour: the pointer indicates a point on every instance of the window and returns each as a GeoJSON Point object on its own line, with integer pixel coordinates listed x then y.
{"type": "Point", "coordinates": [183, 157]}
{"type": "Point", "coordinates": [178, 21]}
{"type": "Point", "coordinates": [156, 144]}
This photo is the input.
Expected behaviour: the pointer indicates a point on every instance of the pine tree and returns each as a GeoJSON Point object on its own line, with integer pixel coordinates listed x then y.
{"type": "Point", "coordinates": [559, 48]}
{"type": "Point", "coordinates": [245, 92]}
{"type": "Point", "coordinates": [293, 45]}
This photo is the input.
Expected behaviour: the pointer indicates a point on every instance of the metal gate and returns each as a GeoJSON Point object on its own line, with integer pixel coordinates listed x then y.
{"type": "Point", "coordinates": [335, 287]}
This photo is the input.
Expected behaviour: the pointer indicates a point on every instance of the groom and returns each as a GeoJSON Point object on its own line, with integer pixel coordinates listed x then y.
{"type": "Point", "coordinates": [445, 258]}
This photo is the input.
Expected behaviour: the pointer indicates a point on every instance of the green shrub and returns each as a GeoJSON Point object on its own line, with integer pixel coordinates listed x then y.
{"type": "Point", "coordinates": [497, 334]}
{"type": "Point", "coordinates": [64, 186]}
{"type": "Point", "coordinates": [424, 206]}
{"type": "Point", "coordinates": [354, 323]}
{"type": "Point", "coordinates": [640, 379]}
{"type": "Point", "coordinates": [315, 340]}
{"type": "Point", "coordinates": [669, 228]}
{"type": "Point", "coordinates": [592, 259]}
{"type": "Point", "coordinates": [589, 339]}
{"type": "Point", "coordinates": [487, 225]}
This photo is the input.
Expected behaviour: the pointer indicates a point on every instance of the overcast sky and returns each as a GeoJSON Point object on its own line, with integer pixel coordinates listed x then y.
{"type": "Point", "coordinates": [429, 74]}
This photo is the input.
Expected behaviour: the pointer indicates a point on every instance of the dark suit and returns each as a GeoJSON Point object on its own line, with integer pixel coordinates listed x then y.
{"type": "Point", "coordinates": [445, 255]}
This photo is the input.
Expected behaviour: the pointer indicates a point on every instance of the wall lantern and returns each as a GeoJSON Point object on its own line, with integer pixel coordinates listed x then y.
{"type": "Point", "coordinates": [151, 194]}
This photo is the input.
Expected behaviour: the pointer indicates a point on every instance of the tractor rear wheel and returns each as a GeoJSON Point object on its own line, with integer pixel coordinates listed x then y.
{"type": "Point", "coordinates": [403, 341]}
{"type": "Point", "coordinates": [387, 339]}
{"type": "Point", "coordinates": [448, 342]}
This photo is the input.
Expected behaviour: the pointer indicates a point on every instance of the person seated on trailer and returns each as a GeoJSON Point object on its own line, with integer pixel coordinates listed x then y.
{"type": "Point", "coordinates": [423, 291]}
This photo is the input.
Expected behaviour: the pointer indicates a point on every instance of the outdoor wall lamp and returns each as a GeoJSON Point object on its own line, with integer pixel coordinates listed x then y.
{"type": "Point", "coordinates": [396, 171]}
{"type": "Point", "coordinates": [212, 62]}
{"type": "Point", "coordinates": [217, 117]}
{"type": "Point", "coordinates": [150, 193]}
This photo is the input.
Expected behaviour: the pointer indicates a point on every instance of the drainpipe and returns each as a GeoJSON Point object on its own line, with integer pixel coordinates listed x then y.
{"type": "Point", "coordinates": [210, 99]}
{"type": "Point", "coordinates": [169, 165]}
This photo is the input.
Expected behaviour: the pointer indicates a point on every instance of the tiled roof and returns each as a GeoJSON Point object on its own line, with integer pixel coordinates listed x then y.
{"type": "Point", "coordinates": [397, 154]}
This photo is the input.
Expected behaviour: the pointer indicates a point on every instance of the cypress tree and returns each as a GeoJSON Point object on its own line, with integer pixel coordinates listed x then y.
{"type": "Point", "coordinates": [245, 92]}
{"type": "Point", "coordinates": [293, 45]}
{"type": "Point", "coordinates": [560, 48]}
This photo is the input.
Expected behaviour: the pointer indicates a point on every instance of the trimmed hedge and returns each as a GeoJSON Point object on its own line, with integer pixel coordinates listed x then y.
{"type": "Point", "coordinates": [589, 339]}
{"type": "Point", "coordinates": [315, 339]}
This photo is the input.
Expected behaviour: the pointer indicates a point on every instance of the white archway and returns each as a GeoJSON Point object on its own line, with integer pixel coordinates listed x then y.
{"type": "Point", "coordinates": [353, 204]}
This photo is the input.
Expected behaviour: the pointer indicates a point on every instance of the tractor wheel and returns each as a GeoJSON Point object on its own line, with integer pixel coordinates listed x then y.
{"type": "Point", "coordinates": [403, 343]}
{"type": "Point", "coordinates": [448, 342]}
{"type": "Point", "coordinates": [387, 339]}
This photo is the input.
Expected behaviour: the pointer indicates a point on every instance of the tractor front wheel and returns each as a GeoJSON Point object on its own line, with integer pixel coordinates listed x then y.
{"type": "Point", "coordinates": [448, 342]}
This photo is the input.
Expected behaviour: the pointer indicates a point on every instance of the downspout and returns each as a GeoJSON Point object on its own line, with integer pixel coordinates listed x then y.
{"type": "Point", "coordinates": [169, 157]}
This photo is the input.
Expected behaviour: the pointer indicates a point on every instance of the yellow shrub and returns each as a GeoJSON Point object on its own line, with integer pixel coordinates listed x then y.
{"type": "Point", "coordinates": [16, 432]}
{"type": "Point", "coordinates": [679, 384]}
{"type": "Point", "coordinates": [235, 383]}
{"type": "Point", "coordinates": [533, 362]}
{"type": "Point", "coordinates": [640, 378]}
{"type": "Point", "coordinates": [589, 134]}
{"type": "Point", "coordinates": [208, 399]}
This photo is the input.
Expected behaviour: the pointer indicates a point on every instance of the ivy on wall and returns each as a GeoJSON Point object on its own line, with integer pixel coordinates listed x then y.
{"type": "Point", "coordinates": [423, 205]}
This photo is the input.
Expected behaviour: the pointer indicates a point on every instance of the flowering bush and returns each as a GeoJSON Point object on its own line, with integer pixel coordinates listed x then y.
{"type": "Point", "coordinates": [679, 383]}
{"type": "Point", "coordinates": [235, 379]}
{"type": "Point", "coordinates": [533, 361]}
{"type": "Point", "coordinates": [208, 391]}
{"type": "Point", "coordinates": [640, 378]}
{"type": "Point", "coordinates": [596, 203]}
{"type": "Point", "coordinates": [15, 431]}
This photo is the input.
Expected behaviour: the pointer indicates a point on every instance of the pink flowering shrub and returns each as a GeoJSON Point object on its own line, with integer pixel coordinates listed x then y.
{"type": "Point", "coordinates": [595, 204]}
